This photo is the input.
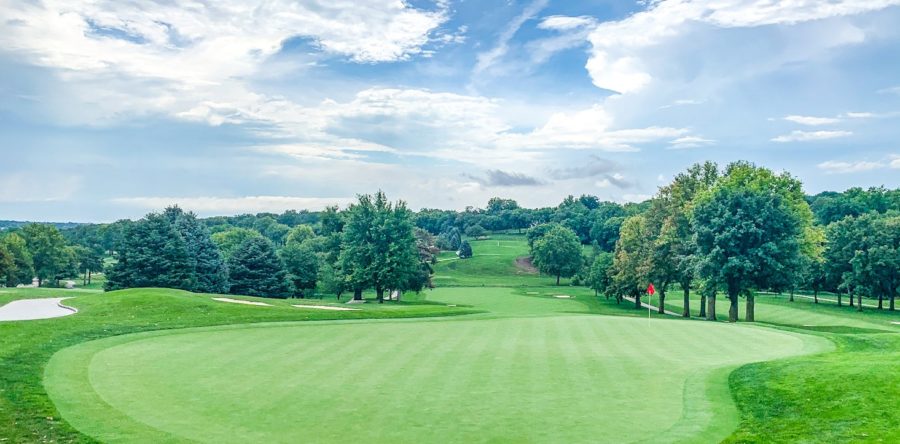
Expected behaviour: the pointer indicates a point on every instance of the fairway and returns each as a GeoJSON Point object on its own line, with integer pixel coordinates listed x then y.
{"type": "Point", "coordinates": [501, 376]}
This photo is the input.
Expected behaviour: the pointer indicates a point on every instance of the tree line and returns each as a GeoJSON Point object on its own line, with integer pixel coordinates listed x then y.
{"type": "Point", "coordinates": [41, 251]}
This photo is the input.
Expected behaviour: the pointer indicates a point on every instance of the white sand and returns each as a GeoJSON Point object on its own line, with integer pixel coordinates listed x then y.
{"type": "Point", "coordinates": [895, 322]}
{"type": "Point", "coordinates": [30, 309]}
{"type": "Point", "coordinates": [326, 307]}
{"type": "Point", "coordinates": [239, 301]}
{"type": "Point", "coordinates": [562, 296]}
{"type": "Point", "coordinates": [532, 292]}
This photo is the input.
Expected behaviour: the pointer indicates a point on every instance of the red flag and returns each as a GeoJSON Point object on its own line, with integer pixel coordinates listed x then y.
{"type": "Point", "coordinates": [650, 290]}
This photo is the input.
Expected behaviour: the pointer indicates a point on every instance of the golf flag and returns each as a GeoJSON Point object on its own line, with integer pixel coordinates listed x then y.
{"type": "Point", "coordinates": [650, 290]}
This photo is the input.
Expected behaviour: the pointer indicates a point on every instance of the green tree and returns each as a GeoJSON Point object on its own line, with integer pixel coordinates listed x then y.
{"type": "Point", "coordinates": [7, 262]}
{"type": "Point", "coordinates": [465, 250]}
{"type": "Point", "coordinates": [89, 261]}
{"type": "Point", "coordinates": [152, 254]}
{"type": "Point", "coordinates": [379, 246]}
{"type": "Point", "coordinates": [300, 234]}
{"type": "Point", "coordinates": [255, 270]}
{"type": "Point", "coordinates": [302, 265]}
{"type": "Point", "coordinates": [47, 248]}
{"type": "Point", "coordinates": [876, 259]}
{"type": "Point", "coordinates": [558, 253]}
{"type": "Point", "coordinates": [600, 279]}
{"type": "Point", "coordinates": [749, 232]}
{"type": "Point", "coordinates": [22, 271]}
{"type": "Point", "coordinates": [475, 231]}
{"type": "Point", "coordinates": [630, 274]}
{"type": "Point", "coordinates": [210, 273]}
{"type": "Point", "coordinates": [229, 240]}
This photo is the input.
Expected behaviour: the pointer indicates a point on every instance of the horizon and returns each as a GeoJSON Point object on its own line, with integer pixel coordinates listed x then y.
{"type": "Point", "coordinates": [113, 110]}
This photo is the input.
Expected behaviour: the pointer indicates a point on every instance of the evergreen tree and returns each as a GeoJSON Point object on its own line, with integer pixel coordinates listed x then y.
{"type": "Point", "coordinates": [206, 263]}
{"type": "Point", "coordinates": [152, 254]}
{"type": "Point", "coordinates": [465, 250]}
{"type": "Point", "coordinates": [255, 270]}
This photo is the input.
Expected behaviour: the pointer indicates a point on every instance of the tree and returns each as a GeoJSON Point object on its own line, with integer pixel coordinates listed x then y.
{"type": "Point", "coordinates": [599, 279]}
{"type": "Point", "coordinates": [302, 265]}
{"type": "Point", "coordinates": [876, 259]}
{"type": "Point", "coordinates": [379, 246]}
{"type": "Point", "coordinates": [558, 253]}
{"type": "Point", "coordinates": [47, 248]}
{"type": "Point", "coordinates": [229, 240]}
{"type": "Point", "coordinates": [465, 250]}
{"type": "Point", "coordinates": [475, 231]}
{"type": "Point", "coordinates": [255, 270]}
{"type": "Point", "coordinates": [747, 232]}
{"type": "Point", "coordinates": [22, 271]}
{"type": "Point", "coordinates": [300, 234]}
{"type": "Point", "coordinates": [7, 262]}
{"type": "Point", "coordinates": [89, 260]}
{"type": "Point", "coordinates": [210, 274]}
{"type": "Point", "coordinates": [536, 232]}
{"type": "Point", "coordinates": [629, 275]}
{"type": "Point", "coordinates": [152, 254]}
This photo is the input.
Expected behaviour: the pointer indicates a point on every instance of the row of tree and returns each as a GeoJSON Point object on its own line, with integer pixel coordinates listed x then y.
{"type": "Point", "coordinates": [40, 251]}
{"type": "Point", "coordinates": [747, 229]}
{"type": "Point", "coordinates": [370, 245]}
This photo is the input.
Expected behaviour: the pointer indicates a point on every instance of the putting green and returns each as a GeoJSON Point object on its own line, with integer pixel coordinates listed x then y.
{"type": "Point", "coordinates": [569, 378]}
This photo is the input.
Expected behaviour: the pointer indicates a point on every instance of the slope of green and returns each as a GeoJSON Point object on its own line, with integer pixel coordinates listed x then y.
{"type": "Point", "coordinates": [549, 378]}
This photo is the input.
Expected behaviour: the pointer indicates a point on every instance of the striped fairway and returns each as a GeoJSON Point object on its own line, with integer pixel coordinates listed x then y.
{"type": "Point", "coordinates": [501, 377]}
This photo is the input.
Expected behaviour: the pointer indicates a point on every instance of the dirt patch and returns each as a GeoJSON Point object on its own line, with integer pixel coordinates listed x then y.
{"type": "Point", "coordinates": [524, 264]}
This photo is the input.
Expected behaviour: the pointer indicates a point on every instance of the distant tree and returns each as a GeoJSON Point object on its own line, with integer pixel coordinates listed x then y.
{"type": "Point", "coordinates": [331, 280]}
{"type": "Point", "coordinates": [89, 261]}
{"type": "Point", "coordinates": [300, 234]}
{"type": "Point", "coordinates": [255, 270]}
{"type": "Point", "coordinates": [22, 271]}
{"type": "Point", "coordinates": [152, 254]}
{"type": "Point", "coordinates": [229, 240]}
{"type": "Point", "coordinates": [271, 229]}
{"type": "Point", "coordinates": [7, 262]}
{"type": "Point", "coordinates": [812, 276]}
{"type": "Point", "coordinates": [465, 250]}
{"type": "Point", "coordinates": [558, 253]}
{"type": "Point", "coordinates": [496, 205]}
{"type": "Point", "coordinates": [475, 231]}
{"type": "Point", "coordinates": [47, 248]}
{"type": "Point", "coordinates": [605, 232]}
{"type": "Point", "coordinates": [599, 279]}
{"type": "Point", "coordinates": [449, 240]}
{"type": "Point", "coordinates": [876, 260]}
{"type": "Point", "coordinates": [302, 265]}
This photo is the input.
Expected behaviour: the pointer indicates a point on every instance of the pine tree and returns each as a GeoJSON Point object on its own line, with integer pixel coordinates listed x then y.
{"type": "Point", "coordinates": [255, 270]}
{"type": "Point", "coordinates": [207, 265]}
{"type": "Point", "coordinates": [152, 254]}
{"type": "Point", "coordinates": [465, 250]}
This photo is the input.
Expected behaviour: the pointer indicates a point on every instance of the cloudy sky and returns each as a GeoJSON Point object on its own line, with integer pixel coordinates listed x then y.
{"type": "Point", "coordinates": [112, 108]}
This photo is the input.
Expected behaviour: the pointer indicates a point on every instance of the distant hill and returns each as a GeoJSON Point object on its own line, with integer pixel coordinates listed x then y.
{"type": "Point", "coordinates": [7, 224]}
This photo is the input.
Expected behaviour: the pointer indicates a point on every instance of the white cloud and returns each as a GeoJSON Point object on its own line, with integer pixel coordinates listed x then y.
{"type": "Point", "coordinates": [891, 90]}
{"type": "Point", "coordinates": [487, 59]}
{"type": "Point", "coordinates": [812, 121]}
{"type": "Point", "coordinates": [208, 206]}
{"type": "Point", "coordinates": [564, 23]}
{"type": "Point", "coordinates": [895, 162]}
{"type": "Point", "coordinates": [23, 187]}
{"type": "Point", "coordinates": [806, 136]}
{"type": "Point", "coordinates": [616, 61]}
{"type": "Point", "coordinates": [689, 142]}
{"type": "Point", "coordinates": [833, 166]}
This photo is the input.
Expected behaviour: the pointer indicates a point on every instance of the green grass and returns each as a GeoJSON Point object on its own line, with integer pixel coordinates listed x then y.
{"type": "Point", "coordinates": [525, 370]}
{"type": "Point", "coordinates": [493, 264]}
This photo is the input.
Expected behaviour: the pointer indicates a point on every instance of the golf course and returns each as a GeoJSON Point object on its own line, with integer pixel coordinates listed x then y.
{"type": "Point", "coordinates": [499, 363]}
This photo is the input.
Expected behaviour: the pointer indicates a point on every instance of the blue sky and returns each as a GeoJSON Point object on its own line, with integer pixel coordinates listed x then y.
{"type": "Point", "coordinates": [112, 109]}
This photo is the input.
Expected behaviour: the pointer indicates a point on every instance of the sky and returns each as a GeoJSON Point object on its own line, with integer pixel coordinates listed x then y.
{"type": "Point", "coordinates": [111, 109]}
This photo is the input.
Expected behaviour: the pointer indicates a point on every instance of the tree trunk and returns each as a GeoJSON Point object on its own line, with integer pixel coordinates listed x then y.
{"type": "Point", "coordinates": [839, 297]}
{"type": "Point", "coordinates": [751, 305]}
{"type": "Point", "coordinates": [662, 302]}
{"type": "Point", "coordinates": [892, 303]}
{"type": "Point", "coordinates": [711, 307]}
{"type": "Point", "coordinates": [850, 293]}
{"type": "Point", "coordinates": [859, 302]}
{"type": "Point", "coordinates": [637, 301]}
{"type": "Point", "coordinates": [618, 299]}
{"type": "Point", "coordinates": [792, 295]}
{"type": "Point", "coordinates": [881, 302]}
{"type": "Point", "coordinates": [733, 307]}
{"type": "Point", "coordinates": [815, 296]}
{"type": "Point", "coordinates": [84, 279]}
{"type": "Point", "coordinates": [557, 280]}
{"type": "Point", "coordinates": [357, 294]}
{"type": "Point", "coordinates": [90, 275]}
{"type": "Point", "coordinates": [687, 302]}
{"type": "Point", "coordinates": [379, 294]}
{"type": "Point", "coordinates": [703, 305]}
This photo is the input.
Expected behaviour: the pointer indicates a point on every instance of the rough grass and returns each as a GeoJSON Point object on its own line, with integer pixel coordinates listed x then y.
{"type": "Point", "coordinates": [493, 264]}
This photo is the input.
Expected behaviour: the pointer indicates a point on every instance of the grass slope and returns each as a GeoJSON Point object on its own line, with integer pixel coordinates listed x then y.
{"type": "Point", "coordinates": [518, 373]}
{"type": "Point", "coordinates": [28, 415]}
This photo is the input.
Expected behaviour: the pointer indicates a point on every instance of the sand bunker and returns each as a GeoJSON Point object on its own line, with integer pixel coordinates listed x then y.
{"type": "Point", "coordinates": [31, 309]}
{"type": "Point", "coordinates": [239, 301]}
{"type": "Point", "coordinates": [326, 307]}
{"type": "Point", "coordinates": [562, 296]}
